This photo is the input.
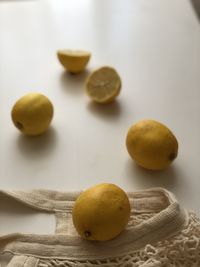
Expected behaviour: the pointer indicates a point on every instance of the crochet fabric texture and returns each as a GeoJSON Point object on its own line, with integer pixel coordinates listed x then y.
{"type": "Point", "coordinates": [160, 233]}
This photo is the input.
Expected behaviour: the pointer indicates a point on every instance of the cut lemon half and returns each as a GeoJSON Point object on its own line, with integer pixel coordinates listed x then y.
{"type": "Point", "coordinates": [73, 60]}
{"type": "Point", "coordinates": [103, 85]}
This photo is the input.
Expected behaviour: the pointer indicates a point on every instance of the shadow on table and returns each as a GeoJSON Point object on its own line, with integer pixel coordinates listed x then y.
{"type": "Point", "coordinates": [74, 83]}
{"type": "Point", "coordinates": [105, 111]}
{"type": "Point", "coordinates": [169, 178]}
{"type": "Point", "coordinates": [37, 146]}
{"type": "Point", "coordinates": [196, 6]}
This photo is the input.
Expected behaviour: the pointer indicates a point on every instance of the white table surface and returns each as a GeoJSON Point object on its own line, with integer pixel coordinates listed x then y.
{"type": "Point", "coordinates": [154, 45]}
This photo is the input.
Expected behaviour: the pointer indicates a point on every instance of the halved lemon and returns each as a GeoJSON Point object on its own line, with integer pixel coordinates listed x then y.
{"type": "Point", "coordinates": [103, 85]}
{"type": "Point", "coordinates": [73, 60]}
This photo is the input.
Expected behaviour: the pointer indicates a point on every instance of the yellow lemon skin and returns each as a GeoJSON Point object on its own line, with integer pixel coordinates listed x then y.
{"type": "Point", "coordinates": [103, 85]}
{"type": "Point", "coordinates": [101, 212]}
{"type": "Point", "coordinates": [151, 144]}
{"type": "Point", "coordinates": [32, 113]}
{"type": "Point", "coordinates": [74, 61]}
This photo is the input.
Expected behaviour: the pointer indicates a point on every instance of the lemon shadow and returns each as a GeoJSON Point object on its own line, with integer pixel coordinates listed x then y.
{"type": "Point", "coordinates": [33, 147]}
{"type": "Point", "coordinates": [169, 178]}
{"type": "Point", "coordinates": [74, 83]}
{"type": "Point", "coordinates": [105, 111]}
{"type": "Point", "coordinates": [196, 6]}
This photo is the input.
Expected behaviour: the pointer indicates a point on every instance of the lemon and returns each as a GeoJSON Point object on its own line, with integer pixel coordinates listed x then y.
{"type": "Point", "coordinates": [103, 85]}
{"type": "Point", "coordinates": [151, 144]}
{"type": "Point", "coordinates": [101, 212]}
{"type": "Point", "coordinates": [73, 60]}
{"type": "Point", "coordinates": [32, 113]}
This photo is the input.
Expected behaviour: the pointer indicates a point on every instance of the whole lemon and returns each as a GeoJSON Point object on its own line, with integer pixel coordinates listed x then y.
{"type": "Point", "coordinates": [151, 144]}
{"type": "Point", "coordinates": [101, 212]}
{"type": "Point", "coordinates": [32, 113]}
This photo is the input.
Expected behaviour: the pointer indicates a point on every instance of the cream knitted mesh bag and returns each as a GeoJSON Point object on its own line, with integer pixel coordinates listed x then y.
{"type": "Point", "coordinates": [160, 233]}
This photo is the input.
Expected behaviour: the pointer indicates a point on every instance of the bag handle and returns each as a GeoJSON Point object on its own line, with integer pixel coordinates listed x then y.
{"type": "Point", "coordinates": [23, 261]}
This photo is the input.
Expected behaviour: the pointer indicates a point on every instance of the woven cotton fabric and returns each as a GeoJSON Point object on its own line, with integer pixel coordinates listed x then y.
{"type": "Point", "coordinates": [160, 233]}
